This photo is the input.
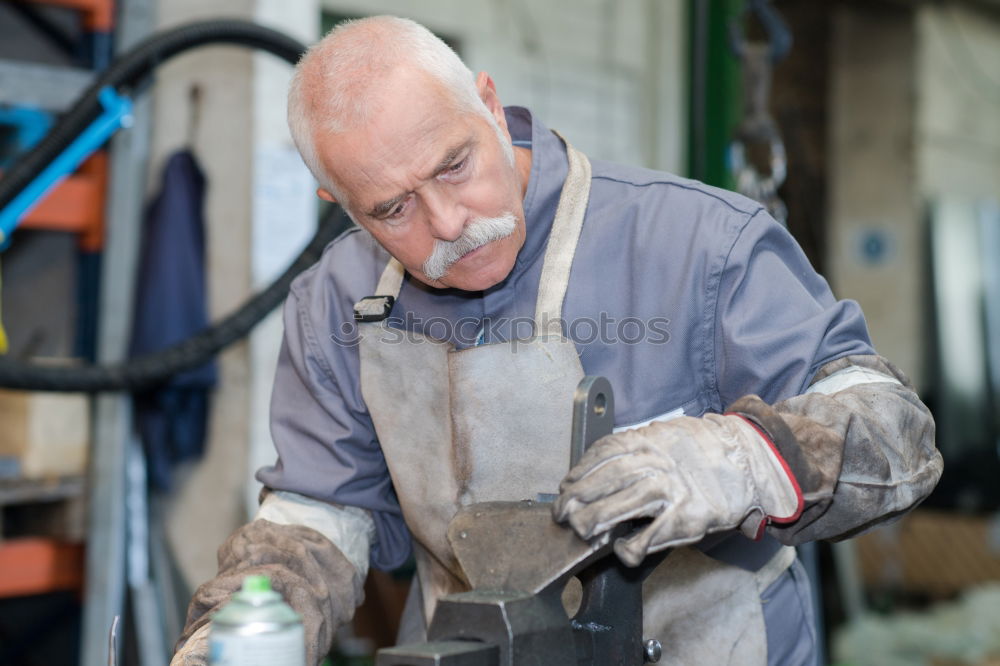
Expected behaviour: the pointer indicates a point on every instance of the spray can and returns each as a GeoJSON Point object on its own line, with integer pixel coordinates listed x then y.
{"type": "Point", "coordinates": [257, 628]}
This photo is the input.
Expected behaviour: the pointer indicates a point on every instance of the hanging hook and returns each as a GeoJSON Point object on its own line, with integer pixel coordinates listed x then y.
{"type": "Point", "coordinates": [779, 37]}
{"type": "Point", "coordinates": [757, 135]}
{"type": "Point", "coordinates": [194, 113]}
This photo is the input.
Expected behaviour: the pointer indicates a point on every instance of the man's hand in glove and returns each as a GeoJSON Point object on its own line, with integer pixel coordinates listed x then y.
{"type": "Point", "coordinates": [195, 651]}
{"type": "Point", "coordinates": [692, 476]}
{"type": "Point", "coordinates": [312, 574]}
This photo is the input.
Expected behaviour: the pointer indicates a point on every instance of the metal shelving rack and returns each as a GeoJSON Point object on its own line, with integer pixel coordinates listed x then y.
{"type": "Point", "coordinates": [45, 86]}
{"type": "Point", "coordinates": [55, 88]}
{"type": "Point", "coordinates": [106, 532]}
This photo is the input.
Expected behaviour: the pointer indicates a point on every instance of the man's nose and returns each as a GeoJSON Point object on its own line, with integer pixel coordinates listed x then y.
{"type": "Point", "coordinates": [445, 216]}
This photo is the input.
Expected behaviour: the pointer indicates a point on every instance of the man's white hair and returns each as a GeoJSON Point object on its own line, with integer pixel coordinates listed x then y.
{"type": "Point", "coordinates": [331, 89]}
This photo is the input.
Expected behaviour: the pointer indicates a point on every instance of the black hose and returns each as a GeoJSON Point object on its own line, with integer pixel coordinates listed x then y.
{"type": "Point", "coordinates": [130, 73]}
{"type": "Point", "coordinates": [127, 74]}
{"type": "Point", "coordinates": [151, 369]}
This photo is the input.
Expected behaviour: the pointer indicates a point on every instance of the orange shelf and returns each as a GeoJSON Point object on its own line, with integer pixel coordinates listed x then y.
{"type": "Point", "coordinates": [76, 204]}
{"type": "Point", "coordinates": [35, 566]}
{"type": "Point", "coordinates": [98, 15]}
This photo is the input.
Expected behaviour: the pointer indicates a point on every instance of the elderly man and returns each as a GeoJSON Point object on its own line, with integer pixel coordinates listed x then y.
{"type": "Point", "coordinates": [429, 361]}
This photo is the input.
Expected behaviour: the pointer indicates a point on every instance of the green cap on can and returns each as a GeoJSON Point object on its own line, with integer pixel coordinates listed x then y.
{"type": "Point", "coordinates": [256, 584]}
{"type": "Point", "coordinates": [255, 603]}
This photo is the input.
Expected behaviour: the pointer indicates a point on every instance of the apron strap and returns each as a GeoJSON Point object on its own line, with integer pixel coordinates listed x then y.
{"type": "Point", "coordinates": [391, 280]}
{"type": "Point", "coordinates": [562, 243]}
{"type": "Point", "coordinates": [377, 307]}
{"type": "Point", "coordinates": [776, 566]}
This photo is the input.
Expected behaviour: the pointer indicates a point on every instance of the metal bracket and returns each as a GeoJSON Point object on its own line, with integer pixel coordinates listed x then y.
{"type": "Point", "coordinates": [593, 415]}
{"type": "Point", "coordinates": [117, 114]}
{"type": "Point", "coordinates": [779, 37]}
{"type": "Point", "coordinates": [373, 308]}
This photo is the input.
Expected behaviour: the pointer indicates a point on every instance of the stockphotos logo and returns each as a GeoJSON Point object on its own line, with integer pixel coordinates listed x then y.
{"type": "Point", "coordinates": [468, 331]}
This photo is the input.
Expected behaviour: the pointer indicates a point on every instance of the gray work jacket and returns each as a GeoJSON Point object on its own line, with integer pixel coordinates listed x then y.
{"type": "Point", "coordinates": [685, 296]}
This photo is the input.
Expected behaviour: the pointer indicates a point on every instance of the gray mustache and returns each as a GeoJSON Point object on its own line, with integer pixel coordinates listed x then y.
{"type": "Point", "coordinates": [479, 232]}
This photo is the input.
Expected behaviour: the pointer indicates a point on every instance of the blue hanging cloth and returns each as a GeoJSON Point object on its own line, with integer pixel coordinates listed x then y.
{"type": "Point", "coordinates": [171, 305]}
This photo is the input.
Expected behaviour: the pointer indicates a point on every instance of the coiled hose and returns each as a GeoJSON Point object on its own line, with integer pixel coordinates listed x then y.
{"type": "Point", "coordinates": [129, 74]}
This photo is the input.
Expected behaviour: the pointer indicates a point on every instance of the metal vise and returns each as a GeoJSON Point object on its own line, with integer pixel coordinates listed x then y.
{"type": "Point", "coordinates": [519, 562]}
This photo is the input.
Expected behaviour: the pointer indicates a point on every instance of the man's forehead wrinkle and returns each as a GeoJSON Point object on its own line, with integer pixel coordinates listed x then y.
{"type": "Point", "coordinates": [397, 161]}
{"type": "Point", "coordinates": [385, 185]}
{"type": "Point", "coordinates": [384, 205]}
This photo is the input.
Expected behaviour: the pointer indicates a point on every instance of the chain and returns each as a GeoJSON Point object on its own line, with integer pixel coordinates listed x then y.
{"type": "Point", "coordinates": [756, 176]}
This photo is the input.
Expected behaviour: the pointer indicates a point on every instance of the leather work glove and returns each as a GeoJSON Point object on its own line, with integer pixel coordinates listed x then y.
{"type": "Point", "coordinates": [195, 650]}
{"type": "Point", "coordinates": [311, 573]}
{"type": "Point", "coordinates": [692, 476]}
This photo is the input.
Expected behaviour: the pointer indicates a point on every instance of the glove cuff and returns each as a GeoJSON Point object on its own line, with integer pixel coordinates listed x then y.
{"type": "Point", "coordinates": [753, 525]}
{"type": "Point", "coordinates": [780, 435]}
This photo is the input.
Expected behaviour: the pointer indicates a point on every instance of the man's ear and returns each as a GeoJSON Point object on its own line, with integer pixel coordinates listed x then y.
{"type": "Point", "coordinates": [325, 196]}
{"type": "Point", "coordinates": [488, 93]}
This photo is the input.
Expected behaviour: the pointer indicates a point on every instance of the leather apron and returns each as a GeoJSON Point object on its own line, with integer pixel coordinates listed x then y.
{"type": "Point", "coordinates": [492, 423]}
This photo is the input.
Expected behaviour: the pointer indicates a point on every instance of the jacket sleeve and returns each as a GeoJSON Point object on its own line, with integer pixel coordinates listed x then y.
{"type": "Point", "coordinates": [326, 444]}
{"type": "Point", "coordinates": [799, 363]}
{"type": "Point", "coordinates": [860, 443]}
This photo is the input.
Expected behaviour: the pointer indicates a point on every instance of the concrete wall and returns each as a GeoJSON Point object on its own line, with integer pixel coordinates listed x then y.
{"type": "Point", "coordinates": [874, 234]}
{"type": "Point", "coordinates": [284, 215]}
{"type": "Point", "coordinates": [958, 109]}
{"type": "Point", "coordinates": [238, 137]}
{"type": "Point", "coordinates": [608, 74]}
{"type": "Point", "coordinates": [915, 117]}
{"type": "Point", "coordinates": [958, 170]}
{"type": "Point", "coordinates": [203, 505]}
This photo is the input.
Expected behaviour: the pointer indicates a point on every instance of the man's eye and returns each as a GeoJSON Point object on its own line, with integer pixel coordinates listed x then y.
{"type": "Point", "coordinates": [458, 166]}
{"type": "Point", "coordinates": [398, 212]}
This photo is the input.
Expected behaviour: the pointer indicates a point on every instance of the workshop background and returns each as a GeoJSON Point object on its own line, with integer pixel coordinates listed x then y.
{"type": "Point", "coordinates": [888, 112]}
